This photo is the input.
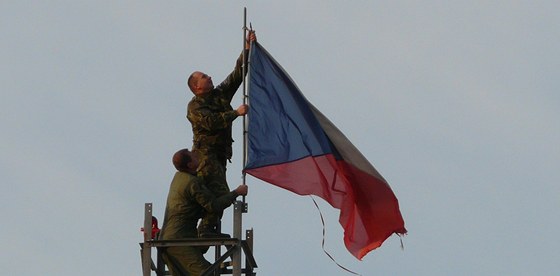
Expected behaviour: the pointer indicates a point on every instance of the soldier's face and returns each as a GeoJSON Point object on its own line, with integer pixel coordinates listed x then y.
{"type": "Point", "coordinates": [204, 83]}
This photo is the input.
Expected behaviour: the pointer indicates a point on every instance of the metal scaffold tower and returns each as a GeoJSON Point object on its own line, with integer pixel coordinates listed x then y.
{"type": "Point", "coordinates": [235, 248]}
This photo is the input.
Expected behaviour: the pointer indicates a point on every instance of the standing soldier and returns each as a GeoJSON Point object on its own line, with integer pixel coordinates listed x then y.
{"type": "Point", "coordinates": [211, 116]}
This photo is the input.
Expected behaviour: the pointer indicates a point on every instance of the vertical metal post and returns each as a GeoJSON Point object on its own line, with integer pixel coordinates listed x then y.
{"type": "Point", "coordinates": [238, 205]}
{"type": "Point", "coordinates": [241, 207]}
{"type": "Point", "coordinates": [146, 248]}
{"type": "Point", "coordinates": [245, 65]}
{"type": "Point", "coordinates": [237, 225]}
{"type": "Point", "coordinates": [249, 240]}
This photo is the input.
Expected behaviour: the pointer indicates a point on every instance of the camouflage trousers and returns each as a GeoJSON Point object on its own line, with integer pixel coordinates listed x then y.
{"type": "Point", "coordinates": [212, 169]}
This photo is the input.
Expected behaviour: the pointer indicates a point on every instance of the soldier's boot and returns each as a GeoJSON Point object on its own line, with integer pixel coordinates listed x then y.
{"type": "Point", "coordinates": [211, 231]}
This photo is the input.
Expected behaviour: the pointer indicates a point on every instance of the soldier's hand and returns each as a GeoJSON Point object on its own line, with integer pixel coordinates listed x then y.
{"type": "Point", "coordinates": [250, 37]}
{"type": "Point", "coordinates": [242, 189]}
{"type": "Point", "coordinates": [242, 110]}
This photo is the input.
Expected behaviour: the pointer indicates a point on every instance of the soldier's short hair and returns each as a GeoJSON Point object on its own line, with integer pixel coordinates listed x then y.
{"type": "Point", "coordinates": [181, 160]}
{"type": "Point", "coordinates": [190, 82]}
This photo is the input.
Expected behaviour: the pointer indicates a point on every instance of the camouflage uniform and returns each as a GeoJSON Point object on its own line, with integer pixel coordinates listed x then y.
{"type": "Point", "coordinates": [186, 201]}
{"type": "Point", "coordinates": [211, 117]}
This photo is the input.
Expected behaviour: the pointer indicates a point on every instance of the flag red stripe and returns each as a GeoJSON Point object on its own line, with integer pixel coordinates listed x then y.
{"type": "Point", "coordinates": [369, 209]}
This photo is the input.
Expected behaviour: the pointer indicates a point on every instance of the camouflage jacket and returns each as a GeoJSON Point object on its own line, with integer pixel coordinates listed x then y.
{"type": "Point", "coordinates": [187, 199]}
{"type": "Point", "coordinates": [211, 115]}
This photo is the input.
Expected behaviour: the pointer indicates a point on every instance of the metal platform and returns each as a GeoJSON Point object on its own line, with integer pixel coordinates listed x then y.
{"type": "Point", "coordinates": [235, 247]}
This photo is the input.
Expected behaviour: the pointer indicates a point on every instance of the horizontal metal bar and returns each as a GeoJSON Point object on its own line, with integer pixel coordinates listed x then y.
{"type": "Point", "coordinates": [192, 242]}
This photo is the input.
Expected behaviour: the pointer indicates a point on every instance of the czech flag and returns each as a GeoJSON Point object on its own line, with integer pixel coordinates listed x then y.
{"type": "Point", "coordinates": [294, 146]}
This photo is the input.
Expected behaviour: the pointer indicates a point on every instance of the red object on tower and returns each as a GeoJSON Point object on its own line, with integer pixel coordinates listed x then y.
{"type": "Point", "coordinates": [155, 228]}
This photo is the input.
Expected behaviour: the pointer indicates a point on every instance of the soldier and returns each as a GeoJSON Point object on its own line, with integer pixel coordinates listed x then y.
{"type": "Point", "coordinates": [187, 199]}
{"type": "Point", "coordinates": [211, 116]}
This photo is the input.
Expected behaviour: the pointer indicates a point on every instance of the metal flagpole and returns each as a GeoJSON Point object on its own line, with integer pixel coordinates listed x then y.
{"type": "Point", "coordinates": [238, 205]}
{"type": "Point", "coordinates": [244, 96]}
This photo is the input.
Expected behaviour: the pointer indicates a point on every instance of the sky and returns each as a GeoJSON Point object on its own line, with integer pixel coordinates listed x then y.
{"type": "Point", "coordinates": [455, 103]}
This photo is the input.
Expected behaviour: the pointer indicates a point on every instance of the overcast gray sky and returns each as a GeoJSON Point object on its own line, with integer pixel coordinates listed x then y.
{"type": "Point", "coordinates": [456, 103]}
